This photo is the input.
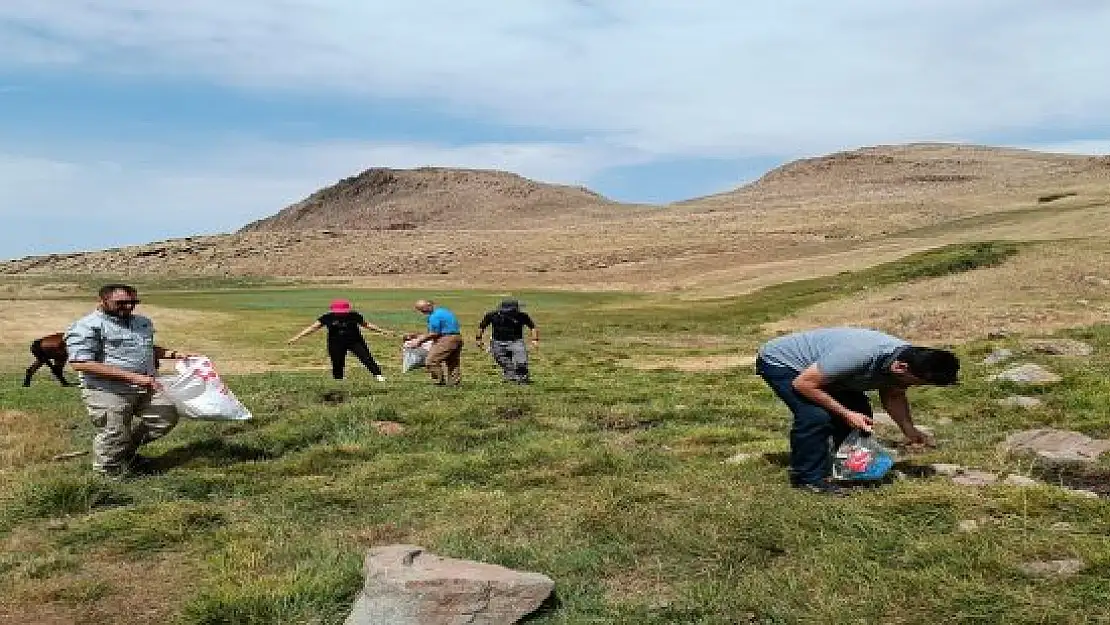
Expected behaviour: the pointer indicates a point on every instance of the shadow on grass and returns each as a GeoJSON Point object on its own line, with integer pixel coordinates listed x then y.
{"type": "Point", "coordinates": [215, 451]}
{"type": "Point", "coordinates": [549, 608]}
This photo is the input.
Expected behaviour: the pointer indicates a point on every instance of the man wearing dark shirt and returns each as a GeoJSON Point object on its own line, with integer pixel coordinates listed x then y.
{"type": "Point", "coordinates": [507, 342]}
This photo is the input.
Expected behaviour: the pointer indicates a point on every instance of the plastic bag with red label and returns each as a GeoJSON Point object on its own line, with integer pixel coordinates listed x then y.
{"type": "Point", "coordinates": [861, 458]}
{"type": "Point", "coordinates": [198, 392]}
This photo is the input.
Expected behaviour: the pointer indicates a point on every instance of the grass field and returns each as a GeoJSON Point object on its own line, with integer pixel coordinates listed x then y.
{"type": "Point", "coordinates": [608, 478]}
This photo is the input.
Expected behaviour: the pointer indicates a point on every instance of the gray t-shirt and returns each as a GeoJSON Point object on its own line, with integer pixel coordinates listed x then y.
{"type": "Point", "coordinates": [852, 358]}
{"type": "Point", "coordinates": [124, 343]}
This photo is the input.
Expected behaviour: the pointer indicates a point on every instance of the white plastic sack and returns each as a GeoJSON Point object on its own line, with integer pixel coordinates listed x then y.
{"type": "Point", "coordinates": [198, 392]}
{"type": "Point", "coordinates": [413, 356]}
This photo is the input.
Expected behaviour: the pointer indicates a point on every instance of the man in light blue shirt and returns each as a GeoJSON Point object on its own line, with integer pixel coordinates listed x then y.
{"type": "Point", "coordinates": [823, 374]}
{"type": "Point", "coordinates": [447, 343]}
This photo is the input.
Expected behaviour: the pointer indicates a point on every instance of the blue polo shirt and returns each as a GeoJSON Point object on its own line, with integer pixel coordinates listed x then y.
{"type": "Point", "coordinates": [443, 321]}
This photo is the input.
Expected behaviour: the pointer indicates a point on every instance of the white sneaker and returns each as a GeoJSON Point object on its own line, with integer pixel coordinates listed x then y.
{"type": "Point", "coordinates": [380, 378]}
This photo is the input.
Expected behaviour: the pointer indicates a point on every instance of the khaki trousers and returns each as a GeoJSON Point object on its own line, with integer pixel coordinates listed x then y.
{"type": "Point", "coordinates": [446, 352]}
{"type": "Point", "coordinates": [123, 422]}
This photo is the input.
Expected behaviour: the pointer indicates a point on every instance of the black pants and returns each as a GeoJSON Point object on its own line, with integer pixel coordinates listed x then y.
{"type": "Point", "coordinates": [337, 350]}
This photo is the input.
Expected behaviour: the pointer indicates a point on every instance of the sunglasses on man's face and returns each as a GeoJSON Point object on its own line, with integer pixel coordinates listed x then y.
{"type": "Point", "coordinates": [126, 302]}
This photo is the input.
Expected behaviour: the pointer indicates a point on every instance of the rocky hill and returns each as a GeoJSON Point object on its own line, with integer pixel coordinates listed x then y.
{"type": "Point", "coordinates": [387, 227]}
{"type": "Point", "coordinates": [394, 199]}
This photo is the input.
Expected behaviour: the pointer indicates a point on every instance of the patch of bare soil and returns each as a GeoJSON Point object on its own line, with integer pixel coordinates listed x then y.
{"type": "Point", "coordinates": [715, 362]}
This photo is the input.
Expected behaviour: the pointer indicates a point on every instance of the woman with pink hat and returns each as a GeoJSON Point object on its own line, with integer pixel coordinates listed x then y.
{"type": "Point", "coordinates": [344, 336]}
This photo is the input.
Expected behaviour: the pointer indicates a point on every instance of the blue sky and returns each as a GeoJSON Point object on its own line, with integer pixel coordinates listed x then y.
{"type": "Point", "coordinates": [126, 121]}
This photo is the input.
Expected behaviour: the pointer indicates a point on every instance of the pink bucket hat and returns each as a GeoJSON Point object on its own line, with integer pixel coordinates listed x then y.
{"type": "Point", "coordinates": [340, 306]}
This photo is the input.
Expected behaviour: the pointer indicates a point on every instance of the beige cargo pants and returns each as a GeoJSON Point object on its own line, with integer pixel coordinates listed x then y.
{"type": "Point", "coordinates": [446, 353]}
{"type": "Point", "coordinates": [124, 422]}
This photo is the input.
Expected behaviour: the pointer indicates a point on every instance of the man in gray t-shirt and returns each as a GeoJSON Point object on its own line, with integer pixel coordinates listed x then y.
{"type": "Point", "coordinates": [822, 375]}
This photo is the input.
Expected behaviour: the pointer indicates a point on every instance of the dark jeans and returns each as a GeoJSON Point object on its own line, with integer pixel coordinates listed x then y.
{"type": "Point", "coordinates": [810, 454]}
{"type": "Point", "coordinates": [338, 349]}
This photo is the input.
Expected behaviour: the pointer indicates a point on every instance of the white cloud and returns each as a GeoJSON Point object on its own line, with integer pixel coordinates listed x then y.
{"type": "Point", "coordinates": [70, 197]}
{"type": "Point", "coordinates": [707, 78]}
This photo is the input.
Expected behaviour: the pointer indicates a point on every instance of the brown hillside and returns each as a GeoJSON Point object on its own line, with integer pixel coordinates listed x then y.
{"type": "Point", "coordinates": [398, 199]}
{"type": "Point", "coordinates": [809, 217]}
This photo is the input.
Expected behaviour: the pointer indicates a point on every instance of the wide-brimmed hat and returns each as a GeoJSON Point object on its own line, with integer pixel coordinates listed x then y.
{"type": "Point", "coordinates": [340, 306]}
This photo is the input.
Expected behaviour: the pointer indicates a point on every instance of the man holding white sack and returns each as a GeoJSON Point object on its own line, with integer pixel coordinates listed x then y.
{"type": "Point", "coordinates": [114, 353]}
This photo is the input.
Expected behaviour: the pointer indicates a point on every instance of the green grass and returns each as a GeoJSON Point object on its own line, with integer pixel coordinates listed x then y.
{"type": "Point", "coordinates": [608, 479]}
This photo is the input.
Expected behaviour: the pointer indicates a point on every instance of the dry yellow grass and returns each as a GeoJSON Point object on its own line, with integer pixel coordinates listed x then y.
{"type": "Point", "coordinates": [709, 362]}
{"type": "Point", "coordinates": [23, 320]}
{"type": "Point", "coordinates": [1040, 290]}
{"type": "Point", "coordinates": [26, 439]}
{"type": "Point", "coordinates": [807, 218]}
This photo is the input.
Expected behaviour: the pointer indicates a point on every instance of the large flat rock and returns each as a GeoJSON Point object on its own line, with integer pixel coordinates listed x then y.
{"type": "Point", "coordinates": [1057, 446]}
{"type": "Point", "coordinates": [406, 585]}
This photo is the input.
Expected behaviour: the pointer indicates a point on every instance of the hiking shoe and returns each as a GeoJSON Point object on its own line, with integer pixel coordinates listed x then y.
{"type": "Point", "coordinates": [380, 378]}
{"type": "Point", "coordinates": [823, 488]}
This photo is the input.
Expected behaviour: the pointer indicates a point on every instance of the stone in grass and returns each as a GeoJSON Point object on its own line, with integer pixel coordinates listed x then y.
{"type": "Point", "coordinates": [1020, 480]}
{"type": "Point", "coordinates": [947, 469]}
{"type": "Point", "coordinates": [972, 477]}
{"type": "Point", "coordinates": [741, 458]}
{"type": "Point", "coordinates": [998, 356]}
{"type": "Point", "coordinates": [1028, 373]}
{"type": "Point", "coordinates": [1079, 492]}
{"type": "Point", "coordinates": [1056, 447]}
{"type": "Point", "coordinates": [967, 526]}
{"type": "Point", "coordinates": [1054, 568]}
{"type": "Point", "coordinates": [1061, 347]}
{"type": "Point", "coordinates": [406, 585]}
{"type": "Point", "coordinates": [1020, 401]}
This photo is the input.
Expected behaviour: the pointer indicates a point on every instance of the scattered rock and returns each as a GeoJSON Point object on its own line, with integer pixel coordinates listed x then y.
{"type": "Point", "coordinates": [57, 524]}
{"type": "Point", "coordinates": [406, 585]}
{"type": "Point", "coordinates": [998, 334]}
{"type": "Point", "coordinates": [1020, 401]}
{"type": "Point", "coordinates": [1061, 526]}
{"type": "Point", "coordinates": [1061, 347]}
{"type": "Point", "coordinates": [947, 469]}
{"type": "Point", "coordinates": [1096, 280]}
{"type": "Point", "coordinates": [1079, 492]}
{"type": "Point", "coordinates": [1054, 568]}
{"type": "Point", "coordinates": [388, 428]}
{"type": "Point", "coordinates": [1020, 480]}
{"type": "Point", "coordinates": [741, 458]}
{"type": "Point", "coordinates": [1057, 446]}
{"type": "Point", "coordinates": [972, 477]}
{"type": "Point", "coordinates": [944, 421]}
{"type": "Point", "coordinates": [970, 525]}
{"type": "Point", "coordinates": [1028, 373]}
{"type": "Point", "coordinates": [998, 356]}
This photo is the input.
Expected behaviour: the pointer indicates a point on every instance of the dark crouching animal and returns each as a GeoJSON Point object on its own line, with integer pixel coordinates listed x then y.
{"type": "Point", "coordinates": [50, 350]}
